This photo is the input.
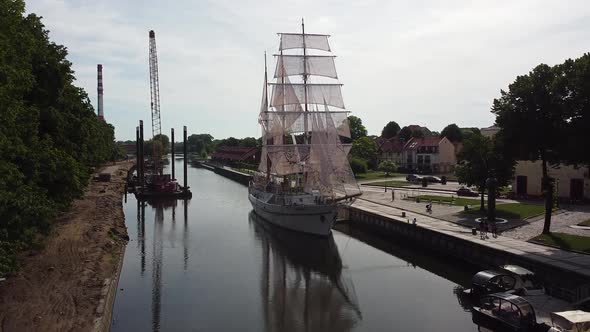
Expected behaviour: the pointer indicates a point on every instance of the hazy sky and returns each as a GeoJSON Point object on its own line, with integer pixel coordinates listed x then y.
{"type": "Point", "coordinates": [415, 62]}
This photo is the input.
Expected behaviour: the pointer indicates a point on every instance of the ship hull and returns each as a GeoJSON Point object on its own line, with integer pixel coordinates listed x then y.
{"type": "Point", "coordinates": [311, 219]}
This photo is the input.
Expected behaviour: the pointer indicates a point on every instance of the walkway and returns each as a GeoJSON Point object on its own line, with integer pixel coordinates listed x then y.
{"type": "Point", "coordinates": [571, 261]}
{"type": "Point", "coordinates": [560, 222]}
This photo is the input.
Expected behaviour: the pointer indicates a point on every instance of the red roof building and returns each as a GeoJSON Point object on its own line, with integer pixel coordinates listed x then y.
{"type": "Point", "coordinates": [236, 154]}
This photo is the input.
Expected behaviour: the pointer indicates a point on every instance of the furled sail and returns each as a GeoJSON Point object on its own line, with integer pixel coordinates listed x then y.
{"type": "Point", "coordinates": [320, 65]}
{"type": "Point", "coordinates": [294, 93]}
{"type": "Point", "coordinates": [295, 40]}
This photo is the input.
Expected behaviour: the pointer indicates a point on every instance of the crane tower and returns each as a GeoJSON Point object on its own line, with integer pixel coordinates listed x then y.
{"type": "Point", "coordinates": [155, 101]}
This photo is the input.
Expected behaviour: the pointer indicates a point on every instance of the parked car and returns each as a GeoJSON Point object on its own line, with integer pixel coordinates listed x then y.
{"type": "Point", "coordinates": [413, 178]}
{"type": "Point", "coordinates": [467, 192]}
{"type": "Point", "coordinates": [432, 178]}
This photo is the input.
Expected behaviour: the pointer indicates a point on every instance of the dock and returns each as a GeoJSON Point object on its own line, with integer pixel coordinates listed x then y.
{"type": "Point", "coordinates": [565, 274]}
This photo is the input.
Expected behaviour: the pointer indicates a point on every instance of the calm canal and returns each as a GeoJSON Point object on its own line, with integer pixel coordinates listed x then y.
{"type": "Point", "coordinates": [211, 265]}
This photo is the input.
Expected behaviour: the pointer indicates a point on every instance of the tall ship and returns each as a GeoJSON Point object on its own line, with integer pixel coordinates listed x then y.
{"type": "Point", "coordinates": [304, 175]}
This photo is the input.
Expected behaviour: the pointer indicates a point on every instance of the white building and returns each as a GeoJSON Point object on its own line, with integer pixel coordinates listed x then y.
{"type": "Point", "coordinates": [572, 183]}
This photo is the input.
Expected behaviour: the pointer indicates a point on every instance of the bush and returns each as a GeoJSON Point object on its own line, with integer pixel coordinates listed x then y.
{"type": "Point", "coordinates": [358, 165]}
{"type": "Point", "coordinates": [387, 166]}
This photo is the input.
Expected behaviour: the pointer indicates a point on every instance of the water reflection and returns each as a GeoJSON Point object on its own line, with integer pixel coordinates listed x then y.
{"type": "Point", "coordinates": [302, 284]}
{"type": "Point", "coordinates": [159, 207]}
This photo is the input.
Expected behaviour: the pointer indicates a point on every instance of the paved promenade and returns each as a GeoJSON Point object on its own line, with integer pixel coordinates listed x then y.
{"type": "Point", "coordinates": [579, 263]}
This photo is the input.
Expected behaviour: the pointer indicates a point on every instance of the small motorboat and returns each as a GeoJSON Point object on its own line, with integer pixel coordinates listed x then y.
{"type": "Point", "coordinates": [526, 281]}
{"type": "Point", "coordinates": [491, 281]}
{"type": "Point", "coordinates": [506, 312]}
{"type": "Point", "coordinates": [508, 278]}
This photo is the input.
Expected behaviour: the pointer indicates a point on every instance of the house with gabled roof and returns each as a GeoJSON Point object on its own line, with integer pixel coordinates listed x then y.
{"type": "Point", "coordinates": [390, 149]}
{"type": "Point", "coordinates": [429, 154]}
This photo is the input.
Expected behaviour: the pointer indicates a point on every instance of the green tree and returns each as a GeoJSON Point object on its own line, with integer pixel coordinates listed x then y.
{"type": "Point", "coordinates": [481, 158]}
{"type": "Point", "coordinates": [200, 143]}
{"type": "Point", "coordinates": [532, 117]}
{"type": "Point", "coordinates": [452, 132]}
{"type": "Point", "coordinates": [50, 136]}
{"type": "Point", "coordinates": [357, 129]}
{"type": "Point", "coordinates": [390, 130]}
{"type": "Point", "coordinates": [164, 140]}
{"type": "Point", "coordinates": [574, 82]}
{"type": "Point", "coordinates": [358, 165]}
{"type": "Point", "coordinates": [366, 149]}
{"type": "Point", "coordinates": [387, 166]}
{"type": "Point", "coordinates": [249, 142]}
{"type": "Point", "coordinates": [406, 133]}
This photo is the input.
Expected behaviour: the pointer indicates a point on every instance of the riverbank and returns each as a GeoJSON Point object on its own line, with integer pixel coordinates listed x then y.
{"type": "Point", "coordinates": [68, 285]}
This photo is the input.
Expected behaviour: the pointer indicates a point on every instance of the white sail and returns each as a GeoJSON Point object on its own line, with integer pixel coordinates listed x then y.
{"type": "Point", "coordinates": [295, 40]}
{"type": "Point", "coordinates": [320, 65]}
{"type": "Point", "coordinates": [292, 122]}
{"type": "Point", "coordinates": [297, 137]}
{"type": "Point", "coordinates": [294, 93]}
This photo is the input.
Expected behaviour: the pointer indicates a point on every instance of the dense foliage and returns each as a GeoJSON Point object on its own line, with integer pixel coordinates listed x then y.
{"type": "Point", "coordinates": [408, 132]}
{"type": "Point", "coordinates": [50, 136]}
{"type": "Point", "coordinates": [452, 133]}
{"type": "Point", "coordinates": [481, 158]}
{"type": "Point", "coordinates": [358, 165]}
{"type": "Point", "coordinates": [365, 148]}
{"type": "Point", "coordinates": [357, 129]}
{"type": "Point", "coordinates": [390, 130]}
{"type": "Point", "coordinates": [387, 166]}
{"type": "Point", "coordinates": [546, 116]}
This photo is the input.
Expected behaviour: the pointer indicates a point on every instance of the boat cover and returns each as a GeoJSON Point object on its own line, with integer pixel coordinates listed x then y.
{"type": "Point", "coordinates": [574, 320]}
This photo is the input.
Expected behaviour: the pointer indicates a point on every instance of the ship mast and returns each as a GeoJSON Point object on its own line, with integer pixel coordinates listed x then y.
{"type": "Point", "coordinates": [305, 128]}
{"type": "Point", "coordinates": [265, 142]}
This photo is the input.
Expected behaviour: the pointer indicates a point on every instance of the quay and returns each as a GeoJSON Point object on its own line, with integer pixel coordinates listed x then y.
{"type": "Point", "coordinates": [565, 274]}
{"type": "Point", "coordinates": [229, 173]}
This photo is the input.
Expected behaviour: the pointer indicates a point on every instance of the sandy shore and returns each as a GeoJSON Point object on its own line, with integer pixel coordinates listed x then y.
{"type": "Point", "coordinates": [68, 284]}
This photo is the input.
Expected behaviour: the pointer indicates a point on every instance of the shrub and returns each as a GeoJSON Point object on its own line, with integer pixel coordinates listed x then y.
{"type": "Point", "coordinates": [358, 165]}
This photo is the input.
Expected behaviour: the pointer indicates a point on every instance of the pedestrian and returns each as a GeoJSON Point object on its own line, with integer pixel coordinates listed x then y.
{"type": "Point", "coordinates": [494, 229]}
{"type": "Point", "coordinates": [414, 221]}
{"type": "Point", "coordinates": [482, 229]}
{"type": "Point", "coordinates": [392, 195]}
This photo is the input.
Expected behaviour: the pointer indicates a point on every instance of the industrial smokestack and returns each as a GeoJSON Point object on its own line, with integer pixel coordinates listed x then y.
{"type": "Point", "coordinates": [100, 92]}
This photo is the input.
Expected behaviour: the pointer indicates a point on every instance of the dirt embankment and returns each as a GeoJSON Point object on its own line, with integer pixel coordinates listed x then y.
{"type": "Point", "coordinates": [64, 286]}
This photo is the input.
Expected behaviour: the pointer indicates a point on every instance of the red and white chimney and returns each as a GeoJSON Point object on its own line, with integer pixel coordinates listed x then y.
{"type": "Point", "coordinates": [100, 92]}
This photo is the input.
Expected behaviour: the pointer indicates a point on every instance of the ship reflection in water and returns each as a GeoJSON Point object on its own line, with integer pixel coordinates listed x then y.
{"type": "Point", "coordinates": [211, 265]}
{"type": "Point", "coordinates": [303, 287]}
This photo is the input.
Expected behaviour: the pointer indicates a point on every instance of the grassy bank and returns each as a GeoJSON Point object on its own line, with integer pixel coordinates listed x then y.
{"type": "Point", "coordinates": [503, 210]}
{"type": "Point", "coordinates": [565, 241]}
{"type": "Point", "coordinates": [512, 211]}
{"type": "Point", "coordinates": [376, 175]}
{"type": "Point", "coordinates": [391, 183]}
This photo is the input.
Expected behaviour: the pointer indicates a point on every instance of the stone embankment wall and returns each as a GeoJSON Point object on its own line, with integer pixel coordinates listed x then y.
{"type": "Point", "coordinates": [560, 283]}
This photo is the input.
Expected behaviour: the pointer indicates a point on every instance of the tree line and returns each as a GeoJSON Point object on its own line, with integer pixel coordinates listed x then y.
{"type": "Point", "coordinates": [50, 136]}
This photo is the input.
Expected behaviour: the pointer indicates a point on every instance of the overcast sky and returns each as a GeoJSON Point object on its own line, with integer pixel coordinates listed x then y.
{"type": "Point", "coordinates": [415, 62]}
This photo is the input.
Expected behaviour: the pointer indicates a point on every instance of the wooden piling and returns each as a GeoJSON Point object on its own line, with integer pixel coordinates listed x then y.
{"type": "Point", "coordinates": [172, 150]}
{"type": "Point", "coordinates": [185, 160]}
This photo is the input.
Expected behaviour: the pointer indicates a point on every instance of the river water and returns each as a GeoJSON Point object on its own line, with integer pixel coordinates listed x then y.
{"type": "Point", "coordinates": [212, 265]}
